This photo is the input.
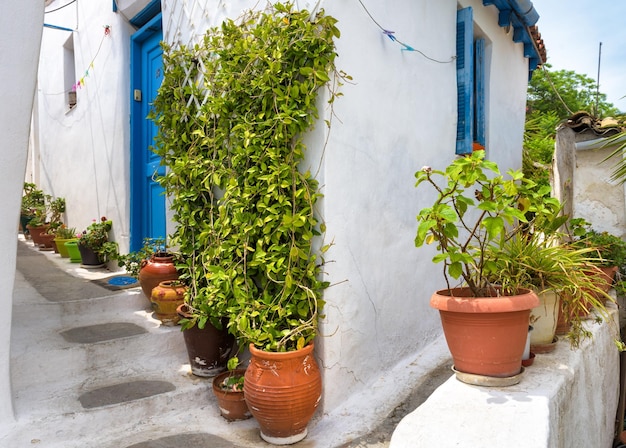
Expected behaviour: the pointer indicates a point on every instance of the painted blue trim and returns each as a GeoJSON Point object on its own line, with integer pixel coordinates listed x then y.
{"type": "Point", "coordinates": [464, 79]}
{"type": "Point", "coordinates": [146, 14]}
{"type": "Point", "coordinates": [114, 6]}
{"type": "Point", "coordinates": [56, 27]}
{"type": "Point", "coordinates": [136, 185]}
{"type": "Point", "coordinates": [479, 100]}
{"type": "Point", "coordinates": [520, 14]}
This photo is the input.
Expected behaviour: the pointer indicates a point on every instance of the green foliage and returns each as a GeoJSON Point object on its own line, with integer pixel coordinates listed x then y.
{"type": "Point", "coordinates": [96, 237]}
{"type": "Point", "coordinates": [231, 114]}
{"type": "Point", "coordinates": [33, 199]}
{"type": "Point", "coordinates": [606, 249]}
{"type": "Point", "coordinates": [133, 261]}
{"type": "Point", "coordinates": [66, 233]}
{"type": "Point", "coordinates": [539, 260]}
{"type": "Point", "coordinates": [477, 211]}
{"type": "Point", "coordinates": [552, 97]}
{"type": "Point", "coordinates": [564, 92]}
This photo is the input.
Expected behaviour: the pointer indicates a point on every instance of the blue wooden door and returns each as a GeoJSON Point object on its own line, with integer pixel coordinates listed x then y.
{"type": "Point", "coordinates": [147, 196]}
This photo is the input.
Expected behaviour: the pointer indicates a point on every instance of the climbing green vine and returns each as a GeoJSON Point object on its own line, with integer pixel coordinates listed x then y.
{"type": "Point", "coordinates": [231, 114]}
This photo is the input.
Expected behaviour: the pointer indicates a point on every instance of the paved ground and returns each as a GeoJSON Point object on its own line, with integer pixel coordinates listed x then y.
{"type": "Point", "coordinates": [92, 368]}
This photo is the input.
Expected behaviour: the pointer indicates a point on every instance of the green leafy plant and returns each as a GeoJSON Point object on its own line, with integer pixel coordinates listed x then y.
{"type": "Point", "coordinates": [66, 233]}
{"type": "Point", "coordinates": [96, 237]}
{"type": "Point", "coordinates": [133, 261]}
{"type": "Point", "coordinates": [542, 261]}
{"type": "Point", "coordinates": [33, 199]}
{"type": "Point", "coordinates": [607, 249]}
{"type": "Point", "coordinates": [477, 210]}
{"type": "Point", "coordinates": [57, 208]}
{"type": "Point", "coordinates": [231, 114]}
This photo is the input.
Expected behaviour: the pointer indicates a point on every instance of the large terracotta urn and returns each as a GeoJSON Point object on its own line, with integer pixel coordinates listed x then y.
{"type": "Point", "coordinates": [283, 390]}
{"type": "Point", "coordinates": [158, 268]}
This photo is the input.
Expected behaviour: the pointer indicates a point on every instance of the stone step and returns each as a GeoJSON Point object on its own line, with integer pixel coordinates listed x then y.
{"type": "Point", "coordinates": [69, 365]}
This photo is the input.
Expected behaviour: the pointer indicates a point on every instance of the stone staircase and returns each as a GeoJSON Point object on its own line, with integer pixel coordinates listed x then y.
{"type": "Point", "coordinates": [91, 368]}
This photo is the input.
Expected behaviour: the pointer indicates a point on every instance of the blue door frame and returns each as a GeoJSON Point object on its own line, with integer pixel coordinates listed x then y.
{"type": "Point", "coordinates": [147, 200]}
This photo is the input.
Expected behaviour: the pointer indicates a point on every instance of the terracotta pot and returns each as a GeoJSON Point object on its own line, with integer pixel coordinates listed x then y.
{"type": "Point", "coordinates": [602, 276]}
{"type": "Point", "coordinates": [166, 297]}
{"type": "Point", "coordinates": [157, 269]}
{"type": "Point", "coordinates": [35, 232]}
{"type": "Point", "coordinates": [46, 241]}
{"type": "Point", "coordinates": [544, 318]}
{"type": "Point", "coordinates": [486, 335]}
{"type": "Point", "coordinates": [89, 256]}
{"type": "Point", "coordinates": [232, 403]}
{"type": "Point", "coordinates": [282, 391]}
{"type": "Point", "coordinates": [563, 324]}
{"type": "Point", "coordinates": [208, 348]}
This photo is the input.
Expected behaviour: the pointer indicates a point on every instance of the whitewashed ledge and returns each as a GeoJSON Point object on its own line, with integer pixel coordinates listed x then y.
{"type": "Point", "coordinates": [567, 398]}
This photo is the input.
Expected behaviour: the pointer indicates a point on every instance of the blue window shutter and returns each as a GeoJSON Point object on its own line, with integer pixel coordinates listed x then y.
{"type": "Point", "coordinates": [464, 80]}
{"type": "Point", "coordinates": [479, 97]}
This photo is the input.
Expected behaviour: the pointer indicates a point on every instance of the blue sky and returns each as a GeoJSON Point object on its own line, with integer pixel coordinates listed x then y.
{"type": "Point", "coordinates": [572, 31]}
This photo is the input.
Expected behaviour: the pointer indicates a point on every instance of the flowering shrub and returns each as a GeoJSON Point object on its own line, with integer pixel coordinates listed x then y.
{"type": "Point", "coordinates": [96, 234]}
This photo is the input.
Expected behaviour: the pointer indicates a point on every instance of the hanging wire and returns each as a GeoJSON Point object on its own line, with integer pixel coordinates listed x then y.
{"type": "Point", "coordinates": [60, 7]}
{"type": "Point", "coordinates": [547, 73]}
{"type": "Point", "coordinates": [405, 47]}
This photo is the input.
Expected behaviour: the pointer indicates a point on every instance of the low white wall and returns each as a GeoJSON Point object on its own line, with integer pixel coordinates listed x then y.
{"type": "Point", "coordinates": [21, 26]}
{"type": "Point", "coordinates": [567, 398]}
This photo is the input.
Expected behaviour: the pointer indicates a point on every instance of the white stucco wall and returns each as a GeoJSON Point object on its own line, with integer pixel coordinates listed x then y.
{"type": "Point", "coordinates": [597, 198]}
{"type": "Point", "coordinates": [83, 154]}
{"type": "Point", "coordinates": [22, 22]}
{"type": "Point", "coordinates": [398, 115]}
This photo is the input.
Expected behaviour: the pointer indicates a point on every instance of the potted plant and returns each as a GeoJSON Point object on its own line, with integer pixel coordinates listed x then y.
{"type": "Point", "coordinates": [541, 260]}
{"type": "Point", "coordinates": [477, 210]}
{"type": "Point", "coordinates": [228, 390]}
{"type": "Point", "coordinates": [243, 204]}
{"type": "Point", "coordinates": [56, 208]}
{"type": "Point", "coordinates": [608, 255]}
{"type": "Point", "coordinates": [33, 199]}
{"type": "Point", "coordinates": [63, 235]}
{"type": "Point", "coordinates": [151, 264]}
{"type": "Point", "coordinates": [93, 243]}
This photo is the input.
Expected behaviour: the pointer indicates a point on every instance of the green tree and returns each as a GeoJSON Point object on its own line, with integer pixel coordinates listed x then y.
{"type": "Point", "coordinates": [565, 92]}
{"type": "Point", "coordinates": [552, 97]}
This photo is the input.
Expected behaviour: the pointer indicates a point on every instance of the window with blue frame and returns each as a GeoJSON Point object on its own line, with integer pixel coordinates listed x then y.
{"type": "Point", "coordinates": [470, 74]}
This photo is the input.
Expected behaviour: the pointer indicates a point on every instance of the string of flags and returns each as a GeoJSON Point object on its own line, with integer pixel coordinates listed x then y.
{"type": "Point", "coordinates": [81, 82]}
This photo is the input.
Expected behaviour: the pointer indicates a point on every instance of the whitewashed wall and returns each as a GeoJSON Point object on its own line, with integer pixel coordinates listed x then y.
{"type": "Point", "coordinates": [398, 115]}
{"type": "Point", "coordinates": [83, 154]}
{"type": "Point", "coordinates": [22, 22]}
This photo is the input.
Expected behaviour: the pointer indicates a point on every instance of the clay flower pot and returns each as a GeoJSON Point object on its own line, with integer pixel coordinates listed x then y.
{"type": "Point", "coordinates": [231, 401]}
{"type": "Point", "coordinates": [282, 390]}
{"type": "Point", "coordinates": [166, 297]}
{"type": "Point", "coordinates": [208, 348]}
{"type": "Point", "coordinates": [157, 269]}
{"type": "Point", "coordinates": [486, 335]}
